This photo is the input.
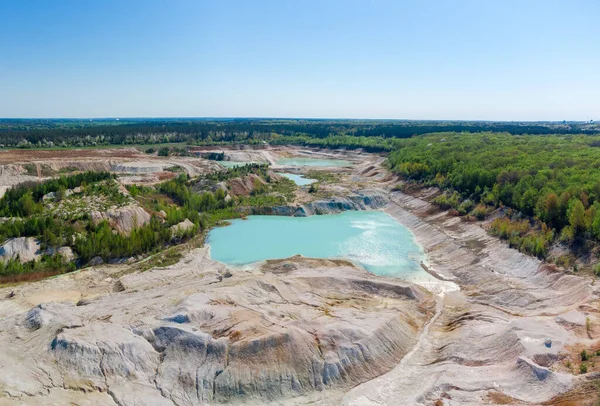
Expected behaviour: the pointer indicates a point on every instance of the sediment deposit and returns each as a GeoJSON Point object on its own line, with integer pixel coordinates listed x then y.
{"type": "Point", "coordinates": [306, 331]}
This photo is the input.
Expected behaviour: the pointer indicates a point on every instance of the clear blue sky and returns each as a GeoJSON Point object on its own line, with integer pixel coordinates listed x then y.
{"type": "Point", "coordinates": [454, 59]}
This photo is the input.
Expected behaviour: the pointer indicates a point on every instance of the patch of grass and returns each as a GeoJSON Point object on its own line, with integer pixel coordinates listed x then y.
{"type": "Point", "coordinates": [154, 201]}
{"type": "Point", "coordinates": [216, 216]}
{"type": "Point", "coordinates": [285, 187]}
{"type": "Point", "coordinates": [322, 176]}
{"type": "Point", "coordinates": [175, 169]}
{"type": "Point", "coordinates": [565, 260]}
{"type": "Point", "coordinates": [6, 281]}
{"type": "Point", "coordinates": [68, 169]}
{"type": "Point", "coordinates": [168, 257]}
{"type": "Point", "coordinates": [262, 200]}
{"type": "Point", "coordinates": [46, 171]}
{"type": "Point", "coordinates": [30, 169]}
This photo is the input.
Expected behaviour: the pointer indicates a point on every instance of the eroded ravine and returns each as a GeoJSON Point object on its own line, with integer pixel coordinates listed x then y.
{"type": "Point", "coordinates": [376, 391]}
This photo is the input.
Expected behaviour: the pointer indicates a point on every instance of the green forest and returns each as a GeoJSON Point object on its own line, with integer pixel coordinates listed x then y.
{"type": "Point", "coordinates": [376, 134]}
{"type": "Point", "coordinates": [550, 185]}
{"type": "Point", "coordinates": [197, 200]}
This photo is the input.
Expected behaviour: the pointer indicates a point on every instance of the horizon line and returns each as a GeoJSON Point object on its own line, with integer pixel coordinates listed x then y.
{"type": "Point", "coordinates": [118, 118]}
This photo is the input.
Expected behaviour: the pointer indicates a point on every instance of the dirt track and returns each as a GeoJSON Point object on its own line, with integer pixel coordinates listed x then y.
{"type": "Point", "coordinates": [13, 156]}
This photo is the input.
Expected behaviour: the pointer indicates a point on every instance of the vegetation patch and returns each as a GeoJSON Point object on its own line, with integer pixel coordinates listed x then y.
{"type": "Point", "coordinates": [553, 181]}
{"type": "Point", "coordinates": [322, 176]}
{"type": "Point", "coordinates": [534, 239]}
{"type": "Point", "coordinates": [56, 212]}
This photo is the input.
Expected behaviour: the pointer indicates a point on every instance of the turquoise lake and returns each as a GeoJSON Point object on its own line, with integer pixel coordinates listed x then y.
{"type": "Point", "coordinates": [372, 239]}
{"type": "Point", "coordinates": [298, 179]}
{"type": "Point", "coordinates": [312, 162]}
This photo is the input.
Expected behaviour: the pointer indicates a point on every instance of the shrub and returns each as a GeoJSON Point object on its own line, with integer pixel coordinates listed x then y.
{"type": "Point", "coordinates": [584, 355]}
{"type": "Point", "coordinates": [588, 324]}
{"type": "Point", "coordinates": [520, 235]}
{"type": "Point", "coordinates": [465, 207]}
{"type": "Point", "coordinates": [583, 369]}
{"type": "Point", "coordinates": [567, 234]}
{"type": "Point", "coordinates": [564, 261]}
{"type": "Point", "coordinates": [446, 201]}
{"type": "Point", "coordinates": [413, 170]}
{"type": "Point", "coordinates": [480, 211]}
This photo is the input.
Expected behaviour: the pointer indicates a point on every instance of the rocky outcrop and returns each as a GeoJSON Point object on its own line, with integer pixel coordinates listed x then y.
{"type": "Point", "coordinates": [180, 228]}
{"type": "Point", "coordinates": [12, 170]}
{"type": "Point", "coordinates": [29, 249]}
{"type": "Point", "coordinates": [123, 219]}
{"type": "Point", "coordinates": [360, 200]}
{"type": "Point", "coordinates": [138, 167]}
{"type": "Point", "coordinates": [25, 248]}
{"type": "Point", "coordinates": [66, 253]}
{"type": "Point", "coordinates": [244, 186]}
{"type": "Point", "coordinates": [52, 195]}
{"type": "Point", "coordinates": [100, 354]}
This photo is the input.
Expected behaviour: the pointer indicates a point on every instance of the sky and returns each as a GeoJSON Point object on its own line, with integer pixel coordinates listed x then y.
{"type": "Point", "coordinates": [393, 59]}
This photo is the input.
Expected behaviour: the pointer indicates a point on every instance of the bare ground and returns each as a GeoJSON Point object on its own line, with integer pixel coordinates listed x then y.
{"type": "Point", "coordinates": [483, 345]}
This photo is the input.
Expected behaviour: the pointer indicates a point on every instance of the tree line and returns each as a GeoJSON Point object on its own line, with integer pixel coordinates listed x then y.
{"type": "Point", "coordinates": [74, 133]}
{"type": "Point", "coordinates": [552, 179]}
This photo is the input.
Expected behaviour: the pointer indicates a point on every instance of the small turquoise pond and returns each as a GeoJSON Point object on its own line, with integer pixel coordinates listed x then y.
{"type": "Point", "coordinates": [312, 162]}
{"type": "Point", "coordinates": [298, 179]}
{"type": "Point", "coordinates": [372, 239]}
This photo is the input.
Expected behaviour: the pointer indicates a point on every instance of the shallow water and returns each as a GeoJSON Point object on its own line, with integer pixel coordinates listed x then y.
{"type": "Point", "coordinates": [298, 179]}
{"type": "Point", "coordinates": [372, 239]}
{"type": "Point", "coordinates": [312, 162]}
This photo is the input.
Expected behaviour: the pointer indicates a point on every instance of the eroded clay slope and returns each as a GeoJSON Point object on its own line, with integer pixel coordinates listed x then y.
{"type": "Point", "coordinates": [198, 333]}
{"type": "Point", "coordinates": [488, 344]}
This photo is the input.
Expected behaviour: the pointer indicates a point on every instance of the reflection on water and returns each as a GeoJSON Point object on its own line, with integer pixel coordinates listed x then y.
{"type": "Point", "coordinates": [372, 239]}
